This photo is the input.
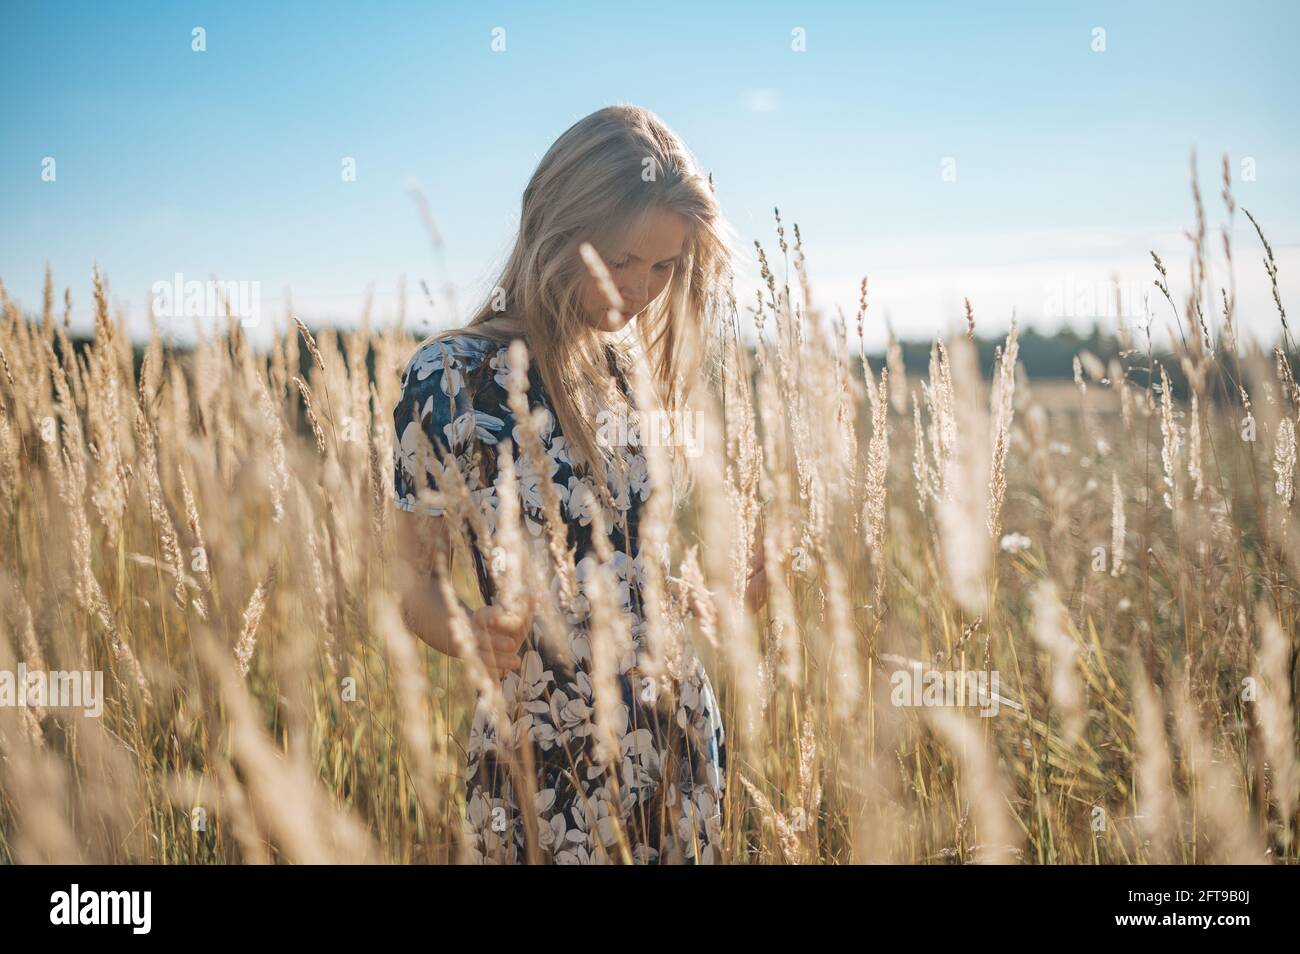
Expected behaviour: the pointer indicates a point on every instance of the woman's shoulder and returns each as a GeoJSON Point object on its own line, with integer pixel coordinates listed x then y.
{"type": "Point", "coordinates": [461, 352]}
{"type": "Point", "coordinates": [460, 346]}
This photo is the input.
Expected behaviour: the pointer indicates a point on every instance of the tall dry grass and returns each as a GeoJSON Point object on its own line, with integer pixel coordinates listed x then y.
{"type": "Point", "coordinates": [213, 530]}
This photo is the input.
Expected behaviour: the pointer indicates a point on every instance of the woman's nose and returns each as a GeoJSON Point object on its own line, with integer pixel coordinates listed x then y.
{"type": "Point", "coordinates": [634, 286]}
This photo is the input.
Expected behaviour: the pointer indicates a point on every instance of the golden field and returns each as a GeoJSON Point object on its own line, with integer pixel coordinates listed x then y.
{"type": "Point", "coordinates": [213, 530]}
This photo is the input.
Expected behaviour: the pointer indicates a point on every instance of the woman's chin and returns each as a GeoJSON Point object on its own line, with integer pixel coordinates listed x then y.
{"type": "Point", "coordinates": [613, 321]}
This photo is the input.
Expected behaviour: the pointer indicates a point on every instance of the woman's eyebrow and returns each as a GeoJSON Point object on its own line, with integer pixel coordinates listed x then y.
{"type": "Point", "coordinates": [671, 258]}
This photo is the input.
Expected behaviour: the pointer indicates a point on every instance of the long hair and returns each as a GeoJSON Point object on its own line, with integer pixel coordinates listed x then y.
{"type": "Point", "coordinates": [598, 183]}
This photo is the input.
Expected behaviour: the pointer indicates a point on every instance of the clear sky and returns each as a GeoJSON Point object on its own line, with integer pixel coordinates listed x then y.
{"type": "Point", "coordinates": [1070, 162]}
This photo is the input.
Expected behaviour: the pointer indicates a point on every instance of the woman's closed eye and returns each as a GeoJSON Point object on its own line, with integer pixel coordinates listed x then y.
{"type": "Point", "coordinates": [660, 267]}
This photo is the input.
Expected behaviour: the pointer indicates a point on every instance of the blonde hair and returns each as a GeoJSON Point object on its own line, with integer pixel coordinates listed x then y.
{"type": "Point", "coordinates": [598, 183]}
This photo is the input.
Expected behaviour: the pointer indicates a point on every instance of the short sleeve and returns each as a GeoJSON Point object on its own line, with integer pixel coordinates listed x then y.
{"type": "Point", "coordinates": [438, 409]}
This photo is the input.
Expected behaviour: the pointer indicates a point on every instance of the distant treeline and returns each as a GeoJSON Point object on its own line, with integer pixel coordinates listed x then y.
{"type": "Point", "coordinates": [1044, 357]}
{"type": "Point", "coordinates": [1048, 357]}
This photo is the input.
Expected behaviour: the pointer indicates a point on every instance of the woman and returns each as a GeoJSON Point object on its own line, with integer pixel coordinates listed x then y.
{"type": "Point", "coordinates": [623, 182]}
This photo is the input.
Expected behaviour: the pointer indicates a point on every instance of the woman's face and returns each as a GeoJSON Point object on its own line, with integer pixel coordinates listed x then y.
{"type": "Point", "coordinates": [641, 271]}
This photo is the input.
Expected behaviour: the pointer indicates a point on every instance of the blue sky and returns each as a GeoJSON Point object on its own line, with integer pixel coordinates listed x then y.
{"type": "Point", "coordinates": [1070, 163]}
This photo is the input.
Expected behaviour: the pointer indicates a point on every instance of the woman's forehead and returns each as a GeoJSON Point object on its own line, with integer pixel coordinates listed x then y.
{"type": "Point", "coordinates": [652, 236]}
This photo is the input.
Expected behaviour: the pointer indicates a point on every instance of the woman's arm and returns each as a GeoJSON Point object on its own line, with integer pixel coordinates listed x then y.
{"type": "Point", "coordinates": [423, 560]}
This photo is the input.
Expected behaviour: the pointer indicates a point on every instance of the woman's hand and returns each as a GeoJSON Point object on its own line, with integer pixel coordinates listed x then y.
{"type": "Point", "coordinates": [499, 632]}
{"type": "Point", "coordinates": [694, 596]}
{"type": "Point", "coordinates": [428, 599]}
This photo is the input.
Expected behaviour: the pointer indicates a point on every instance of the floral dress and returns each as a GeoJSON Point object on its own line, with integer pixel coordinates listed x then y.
{"type": "Point", "coordinates": [663, 790]}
